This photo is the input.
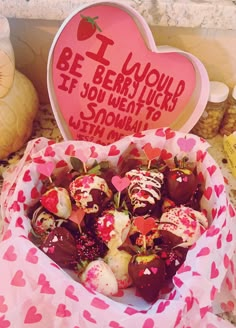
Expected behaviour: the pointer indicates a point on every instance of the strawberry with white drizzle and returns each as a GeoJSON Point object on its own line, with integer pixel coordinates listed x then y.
{"type": "Point", "coordinates": [90, 192]}
{"type": "Point", "coordinates": [182, 226]}
{"type": "Point", "coordinates": [57, 201]}
{"type": "Point", "coordinates": [144, 190]}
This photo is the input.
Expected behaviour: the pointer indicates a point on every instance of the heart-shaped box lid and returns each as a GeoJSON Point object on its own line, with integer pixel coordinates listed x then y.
{"type": "Point", "coordinates": [107, 78]}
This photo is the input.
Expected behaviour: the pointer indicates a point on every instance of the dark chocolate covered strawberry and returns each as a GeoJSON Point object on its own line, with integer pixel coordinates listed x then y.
{"type": "Point", "coordinates": [60, 246]}
{"type": "Point", "coordinates": [181, 183]}
{"type": "Point", "coordinates": [147, 272]}
{"type": "Point", "coordinates": [173, 259]}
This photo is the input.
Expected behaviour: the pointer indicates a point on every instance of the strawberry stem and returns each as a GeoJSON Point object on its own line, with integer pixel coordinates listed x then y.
{"type": "Point", "coordinates": [144, 243]}
{"type": "Point", "coordinates": [91, 20]}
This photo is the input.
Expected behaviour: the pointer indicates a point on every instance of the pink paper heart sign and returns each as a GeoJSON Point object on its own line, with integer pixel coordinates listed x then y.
{"type": "Point", "coordinates": [144, 225]}
{"type": "Point", "coordinates": [120, 183]}
{"type": "Point", "coordinates": [151, 152]}
{"type": "Point", "coordinates": [107, 80]}
{"type": "Point", "coordinates": [46, 168]}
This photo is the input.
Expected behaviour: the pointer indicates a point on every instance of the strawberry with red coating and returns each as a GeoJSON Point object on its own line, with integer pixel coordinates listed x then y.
{"type": "Point", "coordinates": [57, 201]}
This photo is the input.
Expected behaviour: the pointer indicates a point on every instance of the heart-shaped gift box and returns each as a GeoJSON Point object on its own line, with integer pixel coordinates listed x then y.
{"type": "Point", "coordinates": [35, 291]}
{"type": "Point", "coordinates": [107, 79]}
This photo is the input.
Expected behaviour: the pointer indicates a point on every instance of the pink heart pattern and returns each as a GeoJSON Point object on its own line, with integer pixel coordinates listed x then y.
{"type": "Point", "coordinates": [18, 279]}
{"type": "Point", "coordinates": [70, 293]}
{"type": "Point", "coordinates": [32, 316]}
{"type": "Point", "coordinates": [216, 237]}
{"type": "Point", "coordinates": [10, 254]}
{"type": "Point", "coordinates": [3, 306]}
{"type": "Point", "coordinates": [4, 323]}
{"type": "Point", "coordinates": [62, 311]}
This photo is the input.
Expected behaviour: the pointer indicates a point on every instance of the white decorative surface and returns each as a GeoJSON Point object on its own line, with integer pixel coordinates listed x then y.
{"type": "Point", "coordinates": [180, 13]}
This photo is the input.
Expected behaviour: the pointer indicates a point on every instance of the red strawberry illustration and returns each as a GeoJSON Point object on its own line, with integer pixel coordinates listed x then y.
{"type": "Point", "coordinates": [87, 27]}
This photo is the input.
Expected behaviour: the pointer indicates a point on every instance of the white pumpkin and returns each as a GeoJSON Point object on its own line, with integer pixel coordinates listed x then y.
{"type": "Point", "coordinates": [17, 112]}
{"type": "Point", "coordinates": [18, 98]}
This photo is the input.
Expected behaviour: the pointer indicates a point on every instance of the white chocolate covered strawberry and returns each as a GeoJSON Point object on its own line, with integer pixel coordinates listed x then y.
{"type": "Point", "coordinates": [90, 192]}
{"type": "Point", "coordinates": [118, 261]}
{"type": "Point", "coordinates": [144, 191]}
{"type": "Point", "coordinates": [98, 276]}
{"type": "Point", "coordinates": [182, 226]}
{"type": "Point", "coordinates": [57, 201]}
{"type": "Point", "coordinates": [113, 227]}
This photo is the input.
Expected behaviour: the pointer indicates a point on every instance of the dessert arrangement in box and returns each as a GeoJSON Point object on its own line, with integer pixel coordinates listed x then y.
{"type": "Point", "coordinates": [127, 220]}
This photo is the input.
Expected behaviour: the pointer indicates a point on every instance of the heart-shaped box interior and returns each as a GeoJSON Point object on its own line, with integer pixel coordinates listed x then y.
{"type": "Point", "coordinates": [106, 78]}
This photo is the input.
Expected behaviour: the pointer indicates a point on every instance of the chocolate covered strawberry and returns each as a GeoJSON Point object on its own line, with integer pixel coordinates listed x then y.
{"type": "Point", "coordinates": [57, 201]}
{"type": "Point", "coordinates": [181, 183]}
{"type": "Point", "coordinates": [173, 258]}
{"type": "Point", "coordinates": [147, 272]}
{"type": "Point", "coordinates": [60, 246]}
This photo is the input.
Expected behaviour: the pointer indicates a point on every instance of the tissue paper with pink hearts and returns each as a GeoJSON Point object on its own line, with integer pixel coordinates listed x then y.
{"type": "Point", "coordinates": [36, 291]}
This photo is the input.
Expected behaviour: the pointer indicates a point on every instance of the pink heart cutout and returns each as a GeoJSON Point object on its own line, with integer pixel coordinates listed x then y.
{"type": "Point", "coordinates": [120, 183]}
{"type": "Point", "coordinates": [83, 155]}
{"type": "Point", "coordinates": [151, 152]}
{"type": "Point", "coordinates": [144, 225]}
{"type": "Point", "coordinates": [186, 145]}
{"type": "Point", "coordinates": [46, 168]}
